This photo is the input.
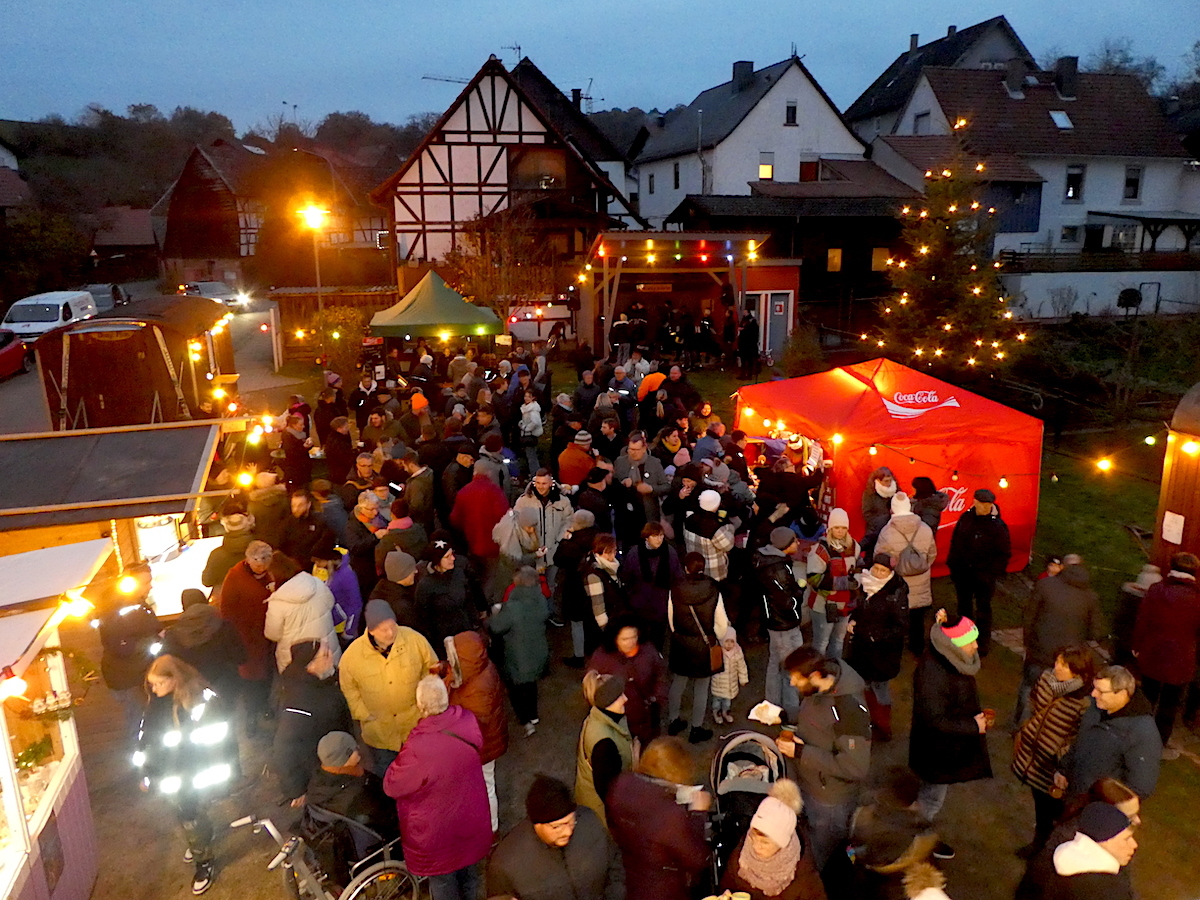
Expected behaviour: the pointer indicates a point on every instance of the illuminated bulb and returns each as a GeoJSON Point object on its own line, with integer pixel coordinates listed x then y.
{"type": "Point", "coordinates": [300, 334]}
{"type": "Point", "coordinates": [729, 259]}
{"type": "Point", "coordinates": [947, 327]}
{"type": "Point", "coordinates": [1003, 482]}
{"type": "Point", "coordinates": [924, 213]}
{"type": "Point", "coordinates": [1008, 315]}
{"type": "Point", "coordinates": [1054, 477]}
{"type": "Point", "coordinates": [1104, 464]}
{"type": "Point", "coordinates": [960, 123]}
{"type": "Point", "coordinates": [587, 267]}
{"type": "Point", "coordinates": [995, 344]}
{"type": "Point", "coordinates": [979, 343]}
{"type": "Point", "coordinates": [766, 423]}
{"type": "Point", "coordinates": [891, 261]}
{"type": "Point", "coordinates": [127, 585]}
{"type": "Point", "coordinates": [254, 437]}
{"type": "Point", "coordinates": [937, 352]}
{"type": "Point", "coordinates": [193, 345]}
{"type": "Point", "coordinates": [945, 173]}
{"type": "Point", "coordinates": [923, 250]}
{"type": "Point", "coordinates": [1191, 448]}
{"type": "Point", "coordinates": [879, 343]}
{"type": "Point", "coordinates": [953, 207]}
{"type": "Point", "coordinates": [444, 335]}
{"type": "Point", "coordinates": [976, 291]}
{"type": "Point", "coordinates": [12, 685]}
{"type": "Point", "coordinates": [954, 477]}
{"type": "Point", "coordinates": [837, 439]}
{"type": "Point", "coordinates": [978, 167]}
{"type": "Point", "coordinates": [651, 258]}
{"type": "Point", "coordinates": [903, 301]}
{"type": "Point", "coordinates": [78, 605]}
{"type": "Point", "coordinates": [970, 360]}
{"type": "Point", "coordinates": [337, 335]}
{"type": "Point", "coordinates": [649, 245]}
{"type": "Point", "coordinates": [264, 327]}
{"type": "Point", "coordinates": [905, 210]}
{"type": "Point", "coordinates": [679, 256]}
{"type": "Point", "coordinates": [747, 411]}
{"type": "Point", "coordinates": [1021, 336]}
{"type": "Point", "coordinates": [887, 309]}
{"type": "Point", "coordinates": [245, 479]}
{"type": "Point", "coordinates": [919, 352]}
{"type": "Point", "coordinates": [703, 257]}
{"type": "Point", "coordinates": [862, 337]}
{"type": "Point", "coordinates": [995, 265]}
{"type": "Point", "coordinates": [903, 264]}
{"type": "Point", "coordinates": [601, 251]}
{"type": "Point", "coordinates": [1151, 440]}
{"type": "Point", "coordinates": [912, 461]}
{"type": "Point", "coordinates": [583, 278]}
{"type": "Point", "coordinates": [975, 205]}
{"type": "Point", "coordinates": [752, 256]}
{"type": "Point", "coordinates": [232, 407]}
{"type": "Point", "coordinates": [1000, 355]}
{"type": "Point", "coordinates": [872, 450]}
{"type": "Point", "coordinates": [219, 393]}
{"type": "Point", "coordinates": [973, 268]}
{"type": "Point", "coordinates": [195, 357]}
{"type": "Point", "coordinates": [624, 259]}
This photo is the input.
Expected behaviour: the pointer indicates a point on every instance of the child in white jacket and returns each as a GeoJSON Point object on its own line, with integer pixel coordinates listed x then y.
{"type": "Point", "coordinates": [531, 431]}
{"type": "Point", "coordinates": [726, 683]}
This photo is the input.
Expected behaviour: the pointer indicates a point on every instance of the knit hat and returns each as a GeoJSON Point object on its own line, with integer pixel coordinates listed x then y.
{"type": "Point", "coordinates": [776, 814]}
{"type": "Point", "coordinates": [336, 748]}
{"type": "Point", "coordinates": [885, 559]}
{"type": "Point", "coordinates": [1102, 821]}
{"type": "Point", "coordinates": [583, 437]}
{"type": "Point", "coordinates": [782, 538]}
{"type": "Point", "coordinates": [303, 652]}
{"type": "Point", "coordinates": [427, 360]}
{"type": "Point", "coordinates": [467, 448]}
{"type": "Point", "coordinates": [710, 501]}
{"type": "Point", "coordinates": [609, 691]}
{"type": "Point", "coordinates": [901, 505]}
{"type": "Point", "coordinates": [595, 475]}
{"type": "Point", "coordinates": [548, 800]}
{"type": "Point", "coordinates": [192, 597]}
{"type": "Point", "coordinates": [962, 633]}
{"type": "Point", "coordinates": [333, 379]}
{"type": "Point", "coordinates": [582, 518]}
{"type": "Point", "coordinates": [419, 403]}
{"type": "Point", "coordinates": [377, 612]}
{"type": "Point", "coordinates": [398, 565]}
{"type": "Point", "coordinates": [439, 545]}
{"type": "Point", "coordinates": [838, 516]}
{"type": "Point", "coordinates": [983, 495]}
{"type": "Point", "coordinates": [259, 550]}
{"type": "Point", "coordinates": [528, 517]}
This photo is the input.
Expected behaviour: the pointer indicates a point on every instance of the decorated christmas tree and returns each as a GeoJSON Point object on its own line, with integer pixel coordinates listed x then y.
{"type": "Point", "coordinates": [947, 306]}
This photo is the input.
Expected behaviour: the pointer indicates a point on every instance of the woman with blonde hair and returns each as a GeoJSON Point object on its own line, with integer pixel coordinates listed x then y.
{"type": "Point", "coordinates": [187, 753]}
{"type": "Point", "coordinates": [605, 747]}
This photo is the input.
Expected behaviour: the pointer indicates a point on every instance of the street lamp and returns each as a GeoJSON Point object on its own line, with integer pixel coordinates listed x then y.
{"type": "Point", "coordinates": [314, 220]}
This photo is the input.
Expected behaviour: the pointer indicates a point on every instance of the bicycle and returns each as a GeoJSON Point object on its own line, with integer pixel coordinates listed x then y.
{"type": "Point", "coordinates": [383, 879]}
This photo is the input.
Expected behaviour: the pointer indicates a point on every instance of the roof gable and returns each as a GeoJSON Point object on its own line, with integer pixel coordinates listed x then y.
{"type": "Point", "coordinates": [891, 90]}
{"type": "Point", "coordinates": [557, 108]}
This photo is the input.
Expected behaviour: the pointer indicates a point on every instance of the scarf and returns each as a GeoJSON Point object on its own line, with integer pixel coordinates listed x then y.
{"type": "Point", "coordinates": [1062, 688]}
{"type": "Point", "coordinates": [1183, 576]}
{"type": "Point", "coordinates": [662, 577]}
{"type": "Point", "coordinates": [887, 492]}
{"type": "Point", "coordinates": [967, 665]}
{"type": "Point", "coordinates": [609, 566]}
{"type": "Point", "coordinates": [870, 584]}
{"type": "Point", "coordinates": [771, 876]}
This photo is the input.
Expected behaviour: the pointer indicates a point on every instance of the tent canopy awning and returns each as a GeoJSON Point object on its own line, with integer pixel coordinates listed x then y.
{"type": "Point", "coordinates": [432, 307]}
{"type": "Point", "coordinates": [51, 571]}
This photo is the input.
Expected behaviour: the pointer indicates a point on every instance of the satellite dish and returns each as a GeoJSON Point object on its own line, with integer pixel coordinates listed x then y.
{"type": "Point", "coordinates": [1130, 298]}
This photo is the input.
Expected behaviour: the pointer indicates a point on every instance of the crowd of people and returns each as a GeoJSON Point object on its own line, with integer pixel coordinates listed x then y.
{"type": "Point", "coordinates": [375, 605]}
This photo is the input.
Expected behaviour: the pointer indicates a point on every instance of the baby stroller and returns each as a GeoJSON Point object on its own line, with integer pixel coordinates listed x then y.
{"type": "Point", "coordinates": [743, 770]}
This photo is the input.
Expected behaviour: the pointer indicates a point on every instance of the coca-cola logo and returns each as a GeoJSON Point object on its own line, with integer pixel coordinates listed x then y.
{"type": "Point", "coordinates": [898, 409]}
{"type": "Point", "coordinates": [918, 397]}
{"type": "Point", "coordinates": [958, 498]}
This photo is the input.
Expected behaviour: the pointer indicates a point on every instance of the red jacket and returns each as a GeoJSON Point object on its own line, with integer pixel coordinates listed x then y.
{"type": "Point", "coordinates": [481, 694]}
{"type": "Point", "coordinates": [437, 783]}
{"type": "Point", "coordinates": [244, 605]}
{"type": "Point", "coordinates": [1167, 631]}
{"type": "Point", "coordinates": [573, 465]}
{"type": "Point", "coordinates": [662, 843]}
{"type": "Point", "coordinates": [477, 508]}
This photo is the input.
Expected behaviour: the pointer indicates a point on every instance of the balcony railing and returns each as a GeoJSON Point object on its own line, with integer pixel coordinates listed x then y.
{"type": "Point", "coordinates": [1017, 263]}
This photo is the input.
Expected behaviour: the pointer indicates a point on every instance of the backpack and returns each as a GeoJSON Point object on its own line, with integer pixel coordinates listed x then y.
{"type": "Point", "coordinates": [911, 561]}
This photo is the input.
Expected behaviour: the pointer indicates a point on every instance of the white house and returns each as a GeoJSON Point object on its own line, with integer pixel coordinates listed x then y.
{"type": "Point", "coordinates": [770, 125]}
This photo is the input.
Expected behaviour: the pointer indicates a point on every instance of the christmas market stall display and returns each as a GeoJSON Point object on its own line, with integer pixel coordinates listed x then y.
{"type": "Point", "coordinates": [47, 841]}
{"type": "Point", "coordinates": [881, 413]}
{"type": "Point", "coordinates": [433, 309]}
{"type": "Point", "coordinates": [139, 488]}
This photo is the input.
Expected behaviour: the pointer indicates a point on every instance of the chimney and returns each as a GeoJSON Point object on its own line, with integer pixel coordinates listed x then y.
{"type": "Point", "coordinates": [577, 97]}
{"type": "Point", "coordinates": [951, 31]}
{"type": "Point", "coordinates": [912, 46]}
{"type": "Point", "coordinates": [1014, 77]}
{"type": "Point", "coordinates": [1066, 76]}
{"type": "Point", "coordinates": [743, 75]}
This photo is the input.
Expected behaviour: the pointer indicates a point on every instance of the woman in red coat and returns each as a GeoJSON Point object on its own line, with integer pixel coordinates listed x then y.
{"type": "Point", "coordinates": [244, 596]}
{"type": "Point", "coordinates": [481, 693]}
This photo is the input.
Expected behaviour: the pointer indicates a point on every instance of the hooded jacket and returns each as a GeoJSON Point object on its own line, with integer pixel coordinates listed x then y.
{"type": "Point", "coordinates": [1063, 610]}
{"type": "Point", "coordinates": [225, 557]}
{"type": "Point", "coordinates": [309, 708]}
{"type": "Point", "coordinates": [1083, 870]}
{"type": "Point", "coordinates": [301, 609]}
{"type": "Point", "coordinates": [897, 534]}
{"type": "Point", "coordinates": [481, 693]}
{"type": "Point", "coordinates": [945, 746]}
{"type": "Point", "coordinates": [782, 594]}
{"type": "Point", "coordinates": [521, 621]}
{"type": "Point", "coordinates": [1124, 745]}
{"type": "Point", "coordinates": [270, 508]}
{"type": "Point", "coordinates": [202, 639]}
{"type": "Point", "coordinates": [1168, 629]}
{"type": "Point", "coordinates": [930, 508]}
{"type": "Point", "coordinates": [835, 726]}
{"type": "Point", "coordinates": [381, 690]}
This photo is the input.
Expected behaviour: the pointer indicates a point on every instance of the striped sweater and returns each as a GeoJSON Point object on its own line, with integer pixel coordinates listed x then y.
{"type": "Point", "coordinates": [1043, 741]}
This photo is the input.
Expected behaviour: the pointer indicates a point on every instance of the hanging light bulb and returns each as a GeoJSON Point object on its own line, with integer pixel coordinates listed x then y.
{"type": "Point", "coordinates": [12, 685]}
{"type": "Point", "coordinates": [837, 439]}
{"type": "Point", "coordinates": [954, 476]}
{"type": "Point", "coordinates": [938, 352]}
{"type": "Point", "coordinates": [1104, 464]}
{"type": "Point", "coordinates": [912, 461]}
{"type": "Point", "coordinates": [127, 585]}
{"type": "Point", "coordinates": [748, 411]}
{"type": "Point", "coordinates": [1151, 440]}
{"type": "Point", "coordinates": [1054, 477]}
{"type": "Point", "coordinates": [1191, 448]}
{"type": "Point", "coordinates": [872, 450]}
{"type": "Point", "coordinates": [1003, 482]}
{"type": "Point", "coordinates": [766, 423]}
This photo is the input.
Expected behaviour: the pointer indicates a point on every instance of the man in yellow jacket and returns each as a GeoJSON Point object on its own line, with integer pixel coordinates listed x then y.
{"type": "Point", "coordinates": [379, 674]}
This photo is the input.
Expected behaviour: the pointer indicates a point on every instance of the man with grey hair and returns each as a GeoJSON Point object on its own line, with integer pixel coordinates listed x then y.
{"type": "Point", "coordinates": [1117, 738]}
{"type": "Point", "coordinates": [437, 782]}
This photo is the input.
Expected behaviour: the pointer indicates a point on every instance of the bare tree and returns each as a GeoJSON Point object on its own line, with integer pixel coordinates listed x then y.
{"type": "Point", "coordinates": [502, 261]}
{"type": "Point", "coordinates": [1115, 57]}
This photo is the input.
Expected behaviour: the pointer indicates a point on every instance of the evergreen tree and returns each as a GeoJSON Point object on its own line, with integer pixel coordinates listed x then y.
{"type": "Point", "coordinates": [948, 307]}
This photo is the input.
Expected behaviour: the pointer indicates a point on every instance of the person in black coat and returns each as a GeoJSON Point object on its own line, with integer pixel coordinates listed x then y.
{"type": "Point", "coordinates": [330, 405]}
{"type": "Point", "coordinates": [128, 629]}
{"type": "Point", "coordinates": [310, 706]}
{"type": "Point", "coordinates": [569, 558]}
{"type": "Point", "coordinates": [948, 742]}
{"type": "Point", "coordinates": [697, 619]}
{"type": "Point", "coordinates": [747, 348]}
{"type": "Point", "coordinates": [304, 530]}
{"type": "Point", "coordinates": [876, 634]}
{"type": "Point", "coordinates": [979, 552]}
{"type": "Point", "coordinates": [340, 451]}
{"type": "Point", "coordinates": [297, 464]}
{"type": "Point", "coordinates": [206, 642]}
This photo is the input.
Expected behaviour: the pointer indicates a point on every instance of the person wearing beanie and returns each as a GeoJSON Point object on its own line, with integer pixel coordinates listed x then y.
{"type": "Point", "coordinates": [913, 545]}
{"type": "Point", "coordinates": [877, 630]}
{"type": "Point", "coordinates": [710, 532]}
{"type": "Point", "coordinates": [516, 534]}
{"type": "Point", "coordinates": [378, 675]}
{"type": "Point", "coordinates": [1092, 864]}
{"type": "Point", "coordinates": [576, 460]}
{"type": "Point", "coordinates": [783, 599]}
{"type": "Point", "coordinates": [1165, 642]}
{"type": "Point", "coordinates": [891, 844]}
{"type": "Point", "coordinates": [980, 547]}
{"type": "Point", "coordinates": [208, 643]}
{"type": "Point", "coordinates": [595, 495]}
{"type": "Point", "coordinates": [770, 861]}
{"type": "Point", "coordinates": [727, 683]}
{"type": "Point", "coordinates": [558, 850]}
{"type": "Point", "coordinates": [832, 563]}
{"type": "Point", "coordinates": [341, 785]}
{"type": "Point", "coordinates": [605, 747]}
{"type": "Point", "coordinates": [948, 741]}
{"type": "Point", "coordinates": [398, 589]}
{"type": "Point", "coordinates": [570, 597]}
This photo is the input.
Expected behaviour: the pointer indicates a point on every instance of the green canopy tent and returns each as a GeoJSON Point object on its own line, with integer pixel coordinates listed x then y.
{"type": "Point", "coordinates": [434, 309]}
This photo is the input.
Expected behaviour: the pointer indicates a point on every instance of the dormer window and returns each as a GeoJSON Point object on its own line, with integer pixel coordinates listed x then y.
{"type": "Point", "coordinates": [1061, 119]}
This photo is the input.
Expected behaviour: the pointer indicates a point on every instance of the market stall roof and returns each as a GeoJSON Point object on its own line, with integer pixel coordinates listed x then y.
{"type": "Point", "coordinates": [433, 307]}
{"type": "Point", "coordinates": [51, 571]}
{"type": "Point", "coordinates": [95, 474]}
{"type": "Point", "coordinates": [18, 635]}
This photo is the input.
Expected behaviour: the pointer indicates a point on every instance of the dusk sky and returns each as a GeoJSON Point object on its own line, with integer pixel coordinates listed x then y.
{"type": "Point", "coordinates": [247, 59]}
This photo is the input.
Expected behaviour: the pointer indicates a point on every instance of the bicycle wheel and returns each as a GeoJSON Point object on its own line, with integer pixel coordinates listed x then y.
{"type": "Point", "coordinates": [386, 880]}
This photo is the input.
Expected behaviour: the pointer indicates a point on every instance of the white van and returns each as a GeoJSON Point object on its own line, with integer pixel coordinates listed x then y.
{"type": "Point", "coordinates": [34, 316]}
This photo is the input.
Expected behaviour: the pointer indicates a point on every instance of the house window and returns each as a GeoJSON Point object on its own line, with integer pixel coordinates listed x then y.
{"type": "Point", "coordinates": [879, 258]}
{"type": "Point", "coordinates": [810, 170]}
{"type": "Point", "coordinates": [1124, 237]}
{"type": "Point", "coordinates": [1069, 235]}
{"type": "Point", "coordinates": [833, 259]}
{"type": "Point", "coordinates": [650, 183]}
{"type": "Point", "coordinates": [1133, 183]}
{"type": "Point", "coordinates": [1074, 188]}
{"type": "Point", "coordinates": [1061, 119]}
{"type": "Point", "coordinates": [789, 113]}
{"type": "Point", "coordinates": [921, 123]}
{"type": "Point", "coordinates": [675, 175]}
{"type": "Point", "coordinates": [766, 166]}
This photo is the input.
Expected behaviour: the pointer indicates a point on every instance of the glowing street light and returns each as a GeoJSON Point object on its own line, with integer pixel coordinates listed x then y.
{"type": "Point", "coordinates": [314, 218]}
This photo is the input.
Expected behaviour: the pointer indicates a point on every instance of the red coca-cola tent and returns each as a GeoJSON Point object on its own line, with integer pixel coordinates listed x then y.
{"type": "Point", "coordinates": [882, 413]}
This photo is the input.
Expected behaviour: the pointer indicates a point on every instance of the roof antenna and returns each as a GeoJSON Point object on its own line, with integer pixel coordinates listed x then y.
{"type": "Point", "coordinates": [514, 46]}
{"type": "Point", "coordinates": [793, 48]}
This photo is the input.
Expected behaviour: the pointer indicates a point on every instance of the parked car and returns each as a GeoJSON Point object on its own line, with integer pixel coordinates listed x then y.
{"type": "Point", "coordinates": [107, 296]}
{"type": "Point", "coordinates": [33, 316]}
{"type": "Point", "coordinates": [218, 290]}
{"type": "Point", "coordinates": [14, 355]}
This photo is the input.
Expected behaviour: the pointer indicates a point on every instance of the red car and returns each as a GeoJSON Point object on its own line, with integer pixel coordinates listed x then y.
{"type": "Point", "coordinates": [14, 355]}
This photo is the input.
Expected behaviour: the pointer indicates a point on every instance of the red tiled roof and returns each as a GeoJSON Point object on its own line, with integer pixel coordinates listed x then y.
{"type": "Point", "coordinates": [929, 151]}
{"type": "Point", "coordinates": [125, 227]}
{"type": "Point", "coordinates": [1112, 115]}
{"type": "Point", "coordinates": [842, 178]}
{"type": "Point", "coordinates": [13, 189]}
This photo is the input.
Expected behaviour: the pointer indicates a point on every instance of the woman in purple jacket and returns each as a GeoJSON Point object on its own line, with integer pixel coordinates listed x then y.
{"type": "Point", "coordinates": [437, 783]}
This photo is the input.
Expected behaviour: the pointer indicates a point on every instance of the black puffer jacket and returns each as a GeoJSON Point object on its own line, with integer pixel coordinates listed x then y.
{"type": "Point", "coordinates": [202, 639]}
{"type": "Point", "coordinates": [309, 708]}
{"type": "Point", "coordinates": [946, 746]}
{"type": "Point", "coordinates": [880, 624]}
{"type": "Point", "coordinates": [783, 597]}
{"type": "Point", "coordinates": [980, 545]}
{"type": "Point", "coordinates": [689, 653]}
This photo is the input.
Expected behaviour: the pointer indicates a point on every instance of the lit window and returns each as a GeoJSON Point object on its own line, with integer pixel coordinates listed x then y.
{"type": "Point", "coordinates": [650, 183]}
{"type": "Point", "coordinates": [879, 258]}
{"type": "Point", "coordinates": [789, 113]}
{"type": "Point", "coordinates": [675, 176]}
{"type": "Point", "coordinates": [1074, 187]}
{"type": "Point", "coordinates": [766, 166]}
{"type": "Point", "coordinates": [1061, 119]}
{"type": "Point", "coordinates": [833, 260]}
{"type": "Point", "coordinates": [1133, 183]}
